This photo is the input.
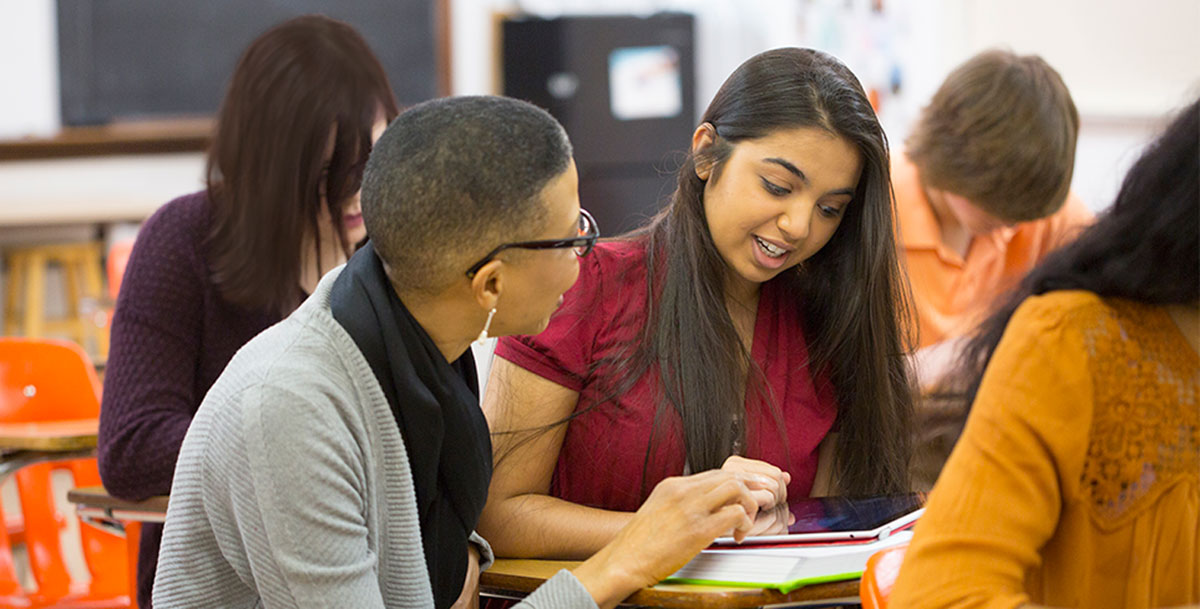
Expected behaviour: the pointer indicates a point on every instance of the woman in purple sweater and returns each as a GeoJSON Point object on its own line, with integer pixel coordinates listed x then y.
{"type": "Point", "coordinates": [212, 269]}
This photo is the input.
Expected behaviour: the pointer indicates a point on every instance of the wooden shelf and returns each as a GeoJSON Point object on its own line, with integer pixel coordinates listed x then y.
{"type": "Point", "coordinates": [131, 137]}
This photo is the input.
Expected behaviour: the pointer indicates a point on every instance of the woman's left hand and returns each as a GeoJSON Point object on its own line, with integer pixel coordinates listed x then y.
{"type": "Point", "coordinates": [767, 483]}
{"type": "Point", "coordinates": [774, 521]}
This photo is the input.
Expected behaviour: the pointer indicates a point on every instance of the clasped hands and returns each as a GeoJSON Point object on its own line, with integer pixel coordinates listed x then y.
{"type": "Point", "coordinates": [768, 486]}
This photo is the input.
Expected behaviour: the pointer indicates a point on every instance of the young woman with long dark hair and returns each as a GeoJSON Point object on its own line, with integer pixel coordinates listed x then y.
{"type": "Point", "coordinates": [753, 325]}
{"type": "Point", "coordinates": [1076, 479]}
{"type": "Point", "coordinates": [212, 269]}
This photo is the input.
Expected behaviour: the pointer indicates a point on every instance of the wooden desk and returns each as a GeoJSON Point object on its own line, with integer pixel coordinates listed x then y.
{"type": "Point", "coordinates": [96, 507]}
{"type": "Point", "coordinates": [506, 578]}
{"type": "Point", "coordinates": [24, 444]}
{"type": "Point", "coordinates": [49, 436]}
{"type": "Point", "coordinates": [95, 502]}
{"type": "Point", "coordinates": [509, 578]}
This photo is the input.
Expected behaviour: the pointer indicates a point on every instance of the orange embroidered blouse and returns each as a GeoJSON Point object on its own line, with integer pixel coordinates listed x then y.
{"type": "Point", "coordinates": [1076, 482]}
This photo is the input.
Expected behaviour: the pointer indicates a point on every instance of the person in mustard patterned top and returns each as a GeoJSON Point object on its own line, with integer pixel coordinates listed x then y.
{"type": "Point", "coordinates": [1076, 480]}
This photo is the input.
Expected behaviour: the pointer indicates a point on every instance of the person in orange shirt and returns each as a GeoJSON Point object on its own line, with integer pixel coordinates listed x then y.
{"type": "Point", "coordinates": [982, 191]}
{"type": "Point", "coordinates": [1076, 479]}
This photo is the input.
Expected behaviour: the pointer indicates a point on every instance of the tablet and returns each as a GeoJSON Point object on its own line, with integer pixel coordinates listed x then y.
{"type": "Point", "coordinates": [840, 519]}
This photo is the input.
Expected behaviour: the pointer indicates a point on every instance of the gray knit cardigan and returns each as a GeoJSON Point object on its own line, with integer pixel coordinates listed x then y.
{"type": "Point", "coordinates": [293, 487]}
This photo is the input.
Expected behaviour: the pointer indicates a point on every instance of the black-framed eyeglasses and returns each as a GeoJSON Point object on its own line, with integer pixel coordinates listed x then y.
{"type": "Point", "coordinates": [589, 232]}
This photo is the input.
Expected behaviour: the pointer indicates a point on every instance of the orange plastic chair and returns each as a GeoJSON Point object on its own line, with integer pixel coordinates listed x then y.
{"type": "Point", "coordinates": [31, 390]}
{"type": "Point", "coordinates": [118, 258]}
{"type": "Point", "coordinates": [104, 554]}
{"type": "Point", "coordinates": [880, 576]}
{"type": "Point", "coordinates": [53, 380]}
{"type": "Point", "coordinates": [46, 380]}
{"type": "Point", "coordinates": [11, 593]}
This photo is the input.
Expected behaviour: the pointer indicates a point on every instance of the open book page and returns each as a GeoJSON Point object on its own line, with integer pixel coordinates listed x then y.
{"type": "Point", "coordinates": [785, 568]}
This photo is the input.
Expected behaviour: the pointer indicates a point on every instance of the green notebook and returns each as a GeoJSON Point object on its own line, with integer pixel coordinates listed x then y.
{"type": "Point", "coordinates": [783, 569]}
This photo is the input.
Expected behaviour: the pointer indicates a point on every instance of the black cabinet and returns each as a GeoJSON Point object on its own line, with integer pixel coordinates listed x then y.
{"type": "Point", "coordinates": [624, 89]}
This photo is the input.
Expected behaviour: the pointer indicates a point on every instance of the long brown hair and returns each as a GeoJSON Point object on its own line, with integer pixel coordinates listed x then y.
{"type": "Point", "coordinates": [852, 292]}
{"type": "Point", "coordinates": [294, 84]}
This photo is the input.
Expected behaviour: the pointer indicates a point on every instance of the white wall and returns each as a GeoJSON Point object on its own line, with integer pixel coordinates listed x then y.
{"type": "Point", "coordinates": [1126, 63]}
{"type": "Point", "coordinates": [28, 68]}
{"type": "Point", "coordinates": [1119, 58]}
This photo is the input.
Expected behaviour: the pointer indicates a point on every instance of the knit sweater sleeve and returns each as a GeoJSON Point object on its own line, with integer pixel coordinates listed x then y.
{"type": "Point", "coordinates": [562, 591]}
{"type": "Point", "coordinates": [149, 384]}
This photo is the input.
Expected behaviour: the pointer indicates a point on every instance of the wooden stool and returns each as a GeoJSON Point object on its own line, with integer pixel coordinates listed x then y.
{"type": "Point", "coordinates": [80, 263]}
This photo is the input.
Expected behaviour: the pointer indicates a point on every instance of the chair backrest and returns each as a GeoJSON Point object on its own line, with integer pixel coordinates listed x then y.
{"type": "Point", "coordinates": [118, 257]}
{"type": "Point", "coordinates": [46, 380]}
{"type": "Point", "coordinates": [880, 576]}
{"type": "Point", "coordinates": [104, 554]}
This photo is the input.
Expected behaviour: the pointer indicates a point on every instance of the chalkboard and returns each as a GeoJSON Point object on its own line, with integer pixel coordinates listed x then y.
{"type": "Point", "coordinates": [139, 59]}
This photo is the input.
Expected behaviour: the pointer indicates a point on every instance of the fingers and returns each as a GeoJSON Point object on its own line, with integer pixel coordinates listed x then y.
{"type": "Point", "coordinates": [730, 488]}
{"type": "Point", "coordinates": [764, 498]}
{"type": "Point", "coordinates": [774, 521]}
{"type": "Point", "coordinates": [682, 516]}
{"type": "Point", "coordinates": [732, 517]}
{"type": "Point", "coordinates": [770, 478]}
{"type": "Point", "coordinates": [709, 491]}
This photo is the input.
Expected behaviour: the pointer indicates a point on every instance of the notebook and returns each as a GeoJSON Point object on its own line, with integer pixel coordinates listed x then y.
{"type": "Point", "coordinates": [783, 568]}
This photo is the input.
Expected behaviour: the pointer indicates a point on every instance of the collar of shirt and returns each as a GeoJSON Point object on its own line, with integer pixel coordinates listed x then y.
{"type": "Point", "coordinates": [920, 228]}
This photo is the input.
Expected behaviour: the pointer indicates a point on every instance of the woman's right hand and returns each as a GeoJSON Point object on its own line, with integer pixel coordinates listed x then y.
{"type": "Point", "coordinates": [681, 517]}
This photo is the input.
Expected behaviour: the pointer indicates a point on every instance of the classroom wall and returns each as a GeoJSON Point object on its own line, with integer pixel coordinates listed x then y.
{"type": "Point", "coordinates": [1120, 58]}
{"type": "Point", "coordinates": [1126, 63]}
{"type": "Point", "coordinates": [28, 68]}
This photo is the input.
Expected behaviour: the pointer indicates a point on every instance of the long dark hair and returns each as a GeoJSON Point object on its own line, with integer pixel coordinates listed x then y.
{"type": "Point", "coordinates": [1145, 248]}
{"type": "Point", "coordinates": [852, 292]}
{"type": "Point", "coordinates": [292, 86]}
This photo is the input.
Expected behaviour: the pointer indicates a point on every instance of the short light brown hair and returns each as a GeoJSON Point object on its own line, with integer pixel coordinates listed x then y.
{"type": "Point", "coordinates": [1001, 132]}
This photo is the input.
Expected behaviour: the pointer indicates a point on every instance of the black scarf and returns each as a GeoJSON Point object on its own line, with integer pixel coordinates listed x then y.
{"type": "Point", "coordinates": [436, 405]}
